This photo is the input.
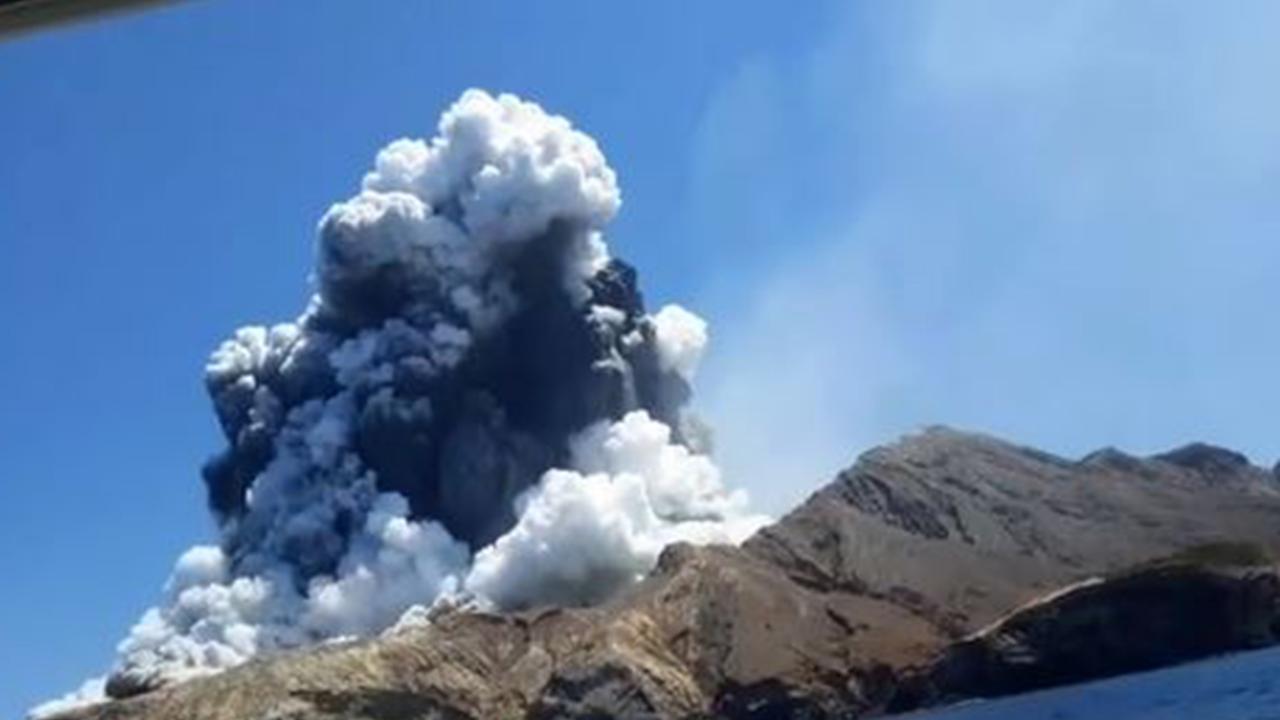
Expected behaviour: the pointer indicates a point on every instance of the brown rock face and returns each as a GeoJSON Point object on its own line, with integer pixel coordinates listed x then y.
{"type": "Point", "coordinates": [890, 588]}
{"type": "Point", "coordinates": [713, 629]}
{"type": "Point", "coordinates": [1139, 621]}
{"type": "Point", "coordinates": [962, 528]}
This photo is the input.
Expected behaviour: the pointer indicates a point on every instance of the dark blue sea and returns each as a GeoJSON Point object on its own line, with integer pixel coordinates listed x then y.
{"type": "Point", "coordinates": [1237, 687]}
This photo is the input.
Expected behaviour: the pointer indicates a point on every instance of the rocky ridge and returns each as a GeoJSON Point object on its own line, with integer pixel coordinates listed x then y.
{"type": "Point", "coordinates": [946, 565]}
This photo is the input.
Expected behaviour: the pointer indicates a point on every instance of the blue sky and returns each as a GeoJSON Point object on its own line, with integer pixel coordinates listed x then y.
{"type": "Point", "coordinates": [1055, 223]}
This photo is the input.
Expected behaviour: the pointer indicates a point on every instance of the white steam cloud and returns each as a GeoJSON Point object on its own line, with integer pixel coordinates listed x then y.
{"type": "Point", "coordinates": [584, 533]}
{"type": "Point", "coordinates": [682, 336]}
{"type": "Point", "coordinates": [474, 409]}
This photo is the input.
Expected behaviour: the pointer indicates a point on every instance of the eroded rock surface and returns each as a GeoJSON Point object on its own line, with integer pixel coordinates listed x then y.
{"type": "Point", "coordinates": [964, 527]}
{"type": "Point", "coordinates": [1139, 621]}
{"type": "Point", "coordinates": [931, 569]}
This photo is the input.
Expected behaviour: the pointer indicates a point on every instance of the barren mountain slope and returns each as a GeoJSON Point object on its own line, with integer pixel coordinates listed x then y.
{"type": "Point", "coordinates": [963, 527]}
{"type": "Point", "coordinates": [823, 614]}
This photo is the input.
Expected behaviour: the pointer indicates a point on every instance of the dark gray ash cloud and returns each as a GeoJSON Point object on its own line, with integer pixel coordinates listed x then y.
{"type": "Point", "coordinates": [475, 408]}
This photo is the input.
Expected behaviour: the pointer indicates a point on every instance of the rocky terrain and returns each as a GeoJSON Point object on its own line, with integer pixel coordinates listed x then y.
{"type": "Point", "coordinates": [1139, 621]}
{"type": "Point", "coordinates": [947, 565]}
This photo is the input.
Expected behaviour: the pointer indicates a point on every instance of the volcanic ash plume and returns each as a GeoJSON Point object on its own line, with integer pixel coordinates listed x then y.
{"type": "Point", "coordinates": [474, 407]}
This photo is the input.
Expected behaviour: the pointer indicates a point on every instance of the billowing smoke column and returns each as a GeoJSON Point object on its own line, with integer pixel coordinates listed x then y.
{"type": "Point", "coordinates": [474, 406]}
